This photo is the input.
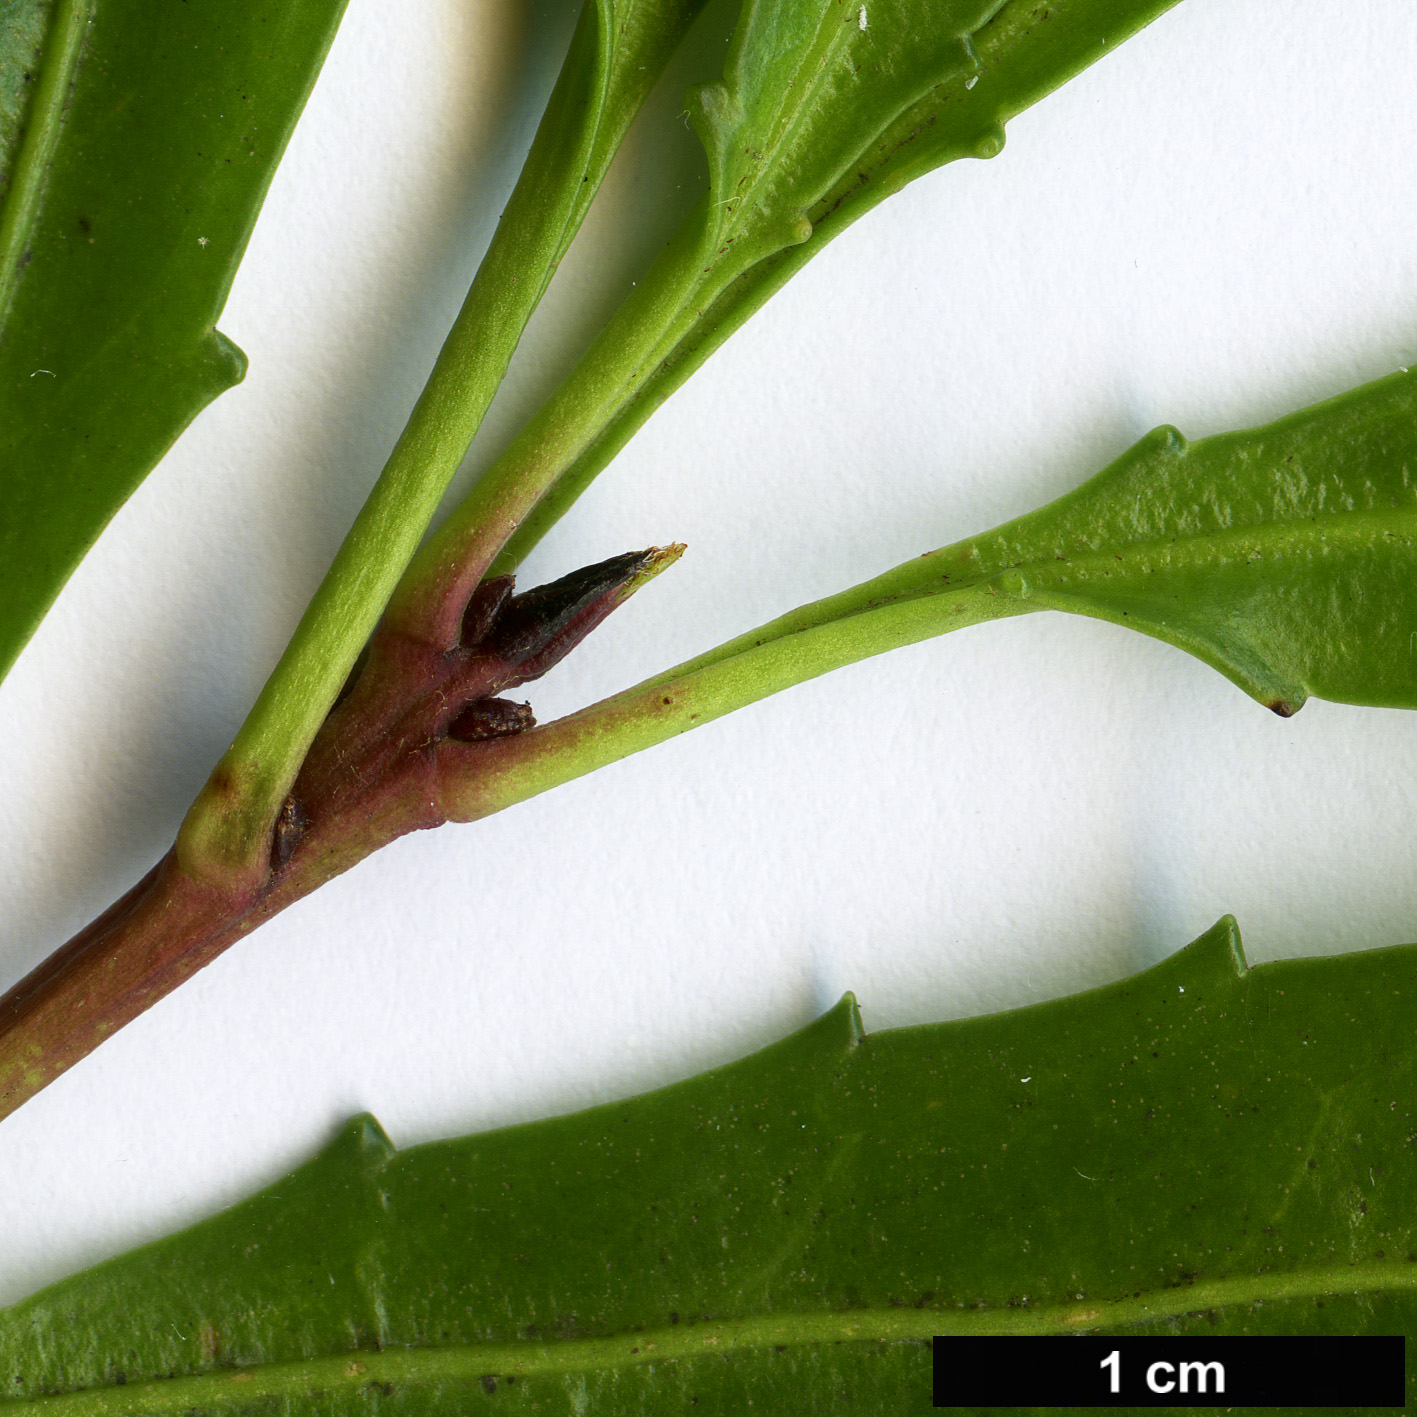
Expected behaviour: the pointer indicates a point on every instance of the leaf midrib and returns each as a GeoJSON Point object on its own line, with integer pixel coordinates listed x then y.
{"type": "Point", "coordinates": [1341, 530]}
{"type": "Point", "coordinates": [747, 211]}
{"type": "Point", "coordinates": [1061, 572]}
{"type": "Point", "coordinates": [475, 1362]}
{"type": "Point", "coordinates": [788, 126]}
{"type": "Point", "coordinates": [20, 208]}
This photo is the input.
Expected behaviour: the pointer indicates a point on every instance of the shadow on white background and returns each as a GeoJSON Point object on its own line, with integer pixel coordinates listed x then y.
{"type": "Point", "coordinates": [1208, 229]}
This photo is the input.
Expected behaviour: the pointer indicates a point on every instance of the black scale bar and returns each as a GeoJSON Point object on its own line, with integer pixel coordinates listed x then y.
{"type": "Point", "coordinates": [1170, 1372]}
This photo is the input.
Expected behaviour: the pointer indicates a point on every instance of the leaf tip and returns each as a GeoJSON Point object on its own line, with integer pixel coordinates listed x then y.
{"type": "Point", "coordinates": [228, 360]}
{"type": "Point", "coordinates": [829, 1036]}
{"type": "Point", "coordinates": [364, 1142]}
{"type": "Point", "coordinates": [990, 143]}
{"type": "Point", "coordinates": [1220, 949]}
{"type": "Point", "coordinates": [846, 1014]}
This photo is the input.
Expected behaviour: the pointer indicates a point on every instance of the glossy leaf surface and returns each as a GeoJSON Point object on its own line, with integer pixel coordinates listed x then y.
{"type": "Point", "coordinates": [1285, 556]}
{"type": "Point", "coordinates": [137, 142]}
{"type": "Point", "coordinates": [1200, 1148]}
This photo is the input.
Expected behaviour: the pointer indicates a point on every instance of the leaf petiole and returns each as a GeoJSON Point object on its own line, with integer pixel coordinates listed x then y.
{"type": "Point", "coordinates": [1284, 556]}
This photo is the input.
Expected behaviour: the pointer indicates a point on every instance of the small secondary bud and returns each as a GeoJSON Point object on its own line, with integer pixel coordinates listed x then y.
{"type": "Point", "coordinates": [291, 825]}
{"type": "Point", "coordinates": [490, 718]}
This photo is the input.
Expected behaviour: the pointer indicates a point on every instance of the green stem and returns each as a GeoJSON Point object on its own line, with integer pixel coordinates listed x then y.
{"type": "Point", "coordinates": [802, 645]}
{"type": "Point", "coordinates": [478, 1367]}
{"type": "Point", "coordinates": [689, 302]}
{"type": "Point", "coordinates": [642, 333]}
{"type": "Point", "coordinates": [374, 772]}
{"type": "Point", "coordinates": [700, 289]}
{"type": "Point", "coordinates": [21, 203]}
{"type": "Point", "coordinates": [396, 756]}
{"type": "Point", "coordinates": [226, 833]}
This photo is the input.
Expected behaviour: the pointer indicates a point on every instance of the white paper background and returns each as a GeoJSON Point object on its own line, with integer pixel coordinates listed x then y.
{"type": "Point", "coordinates": [1213, 226]}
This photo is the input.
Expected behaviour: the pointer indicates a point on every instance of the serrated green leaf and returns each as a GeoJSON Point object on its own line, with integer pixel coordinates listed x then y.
{"type": "Point", "coordinates": [1285, 556]}
{"type": "Point", "coordinates": [136, 144]}
{"type": "Point", "coordinates": [807, 91]}
{"type": "Point", "coordinates": [816, 120]}
{"type": "Point", "coordinates": [1200, 1148]}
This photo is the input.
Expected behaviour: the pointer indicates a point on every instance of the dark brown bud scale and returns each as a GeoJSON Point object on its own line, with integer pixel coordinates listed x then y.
{"type": "Point", "coordinates": [490, 718]}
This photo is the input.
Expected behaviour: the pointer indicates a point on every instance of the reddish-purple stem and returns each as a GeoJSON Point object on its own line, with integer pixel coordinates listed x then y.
{"type": "Point", "coordinates": [417, 706]}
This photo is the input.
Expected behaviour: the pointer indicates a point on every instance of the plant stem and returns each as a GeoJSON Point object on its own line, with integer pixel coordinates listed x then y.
{"type": "Point", "coordinates": [625, 353]}
{"type": "Point", "coordinates": [421, 740]}
{"type": "Point", "coordinates": [700, 289]}
{"type": "Point", "coordinates": [305, 792]}
{"type": "Point", "coordinates": [689, 303]}
{"type": "Point", "coordinates": [784, 653]}
{"type": "Point", "coordinates": [225, 837]}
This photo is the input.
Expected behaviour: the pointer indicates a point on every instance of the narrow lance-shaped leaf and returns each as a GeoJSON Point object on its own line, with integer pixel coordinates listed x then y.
{"type": "Point", "coordinates": [136, 145]}
{"type": "Point", "coordinates": [1199, 1149]}
{"type": "Point", "coordinates": [1285, 556]}
{"type": "Point", "coordinates": [824, 109]}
